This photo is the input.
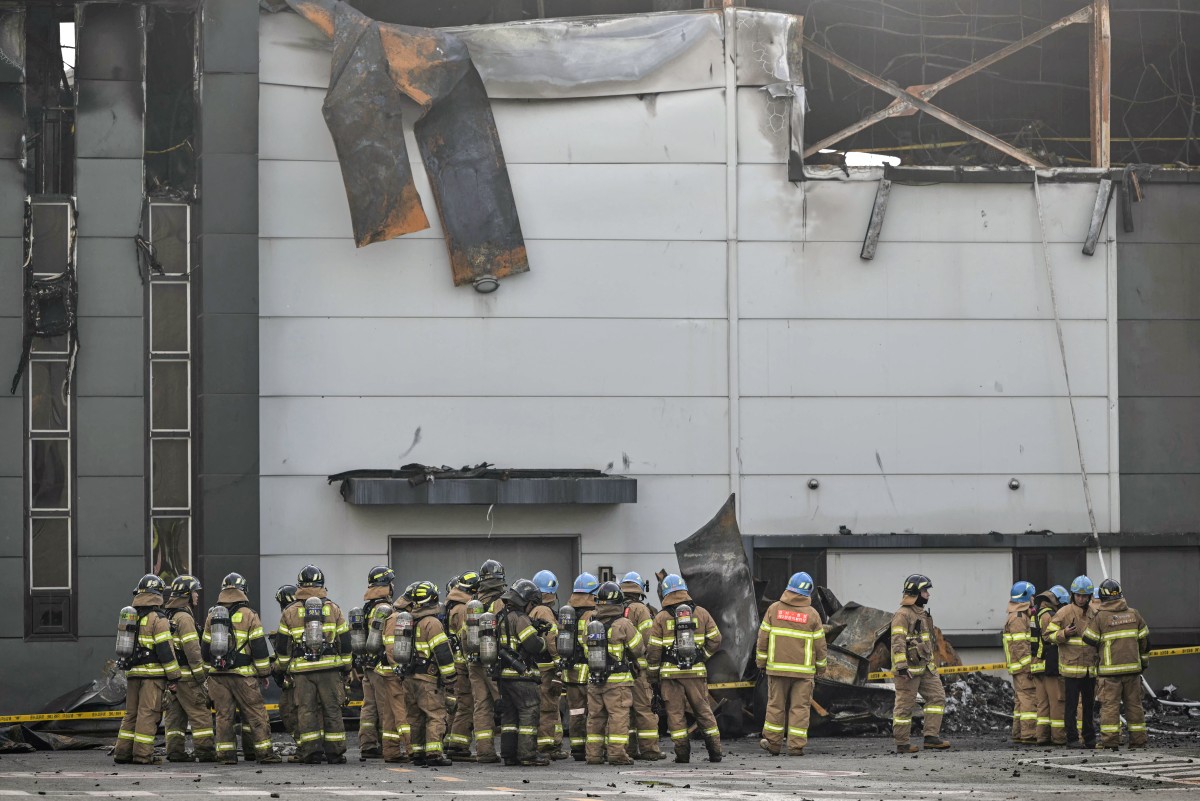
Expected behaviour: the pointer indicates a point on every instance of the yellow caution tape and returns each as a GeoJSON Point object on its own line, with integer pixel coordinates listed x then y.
{"type": "Point", "coordinates": [108, 714]}
{"type": "Point", "coordinates": [733, 685]}
{"type": "Point", "coordinates": [949, 669]}
{"type": "Point", "coordinates": [1191, 649]}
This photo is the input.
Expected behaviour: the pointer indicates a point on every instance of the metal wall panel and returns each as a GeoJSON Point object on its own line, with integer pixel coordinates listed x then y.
{"type": "Point", "coordinates": [1160, 435]}
{"type": "Point", "coordinates": [1158, 281]}
{"type": "Point", "coordinates": [1167, 214]}
{"type": "Point", "coordinates": [919, 435]}
{"type": "Point", "coordinates": [887, 358]}
{"type": "Point", "coordinates": [229, 422]}
{"type": "Point", "coordinates": [12, 504]}
{"type": "Point", "coordinates": [12, 572]}
{"type": "Point", "coordinates": [103, 587]}
{"type": "Point", "coordinates": [1159, 502]}
{"type": "Point", "coordinates": [112, 512]}
{"type": "Point", "coordinates": [1158, 357]}
{"type": "Point", "coordinates": [74, 665]}
{"type": "Point", "coordinates": [111, 436]}
{"type": "Point", "coordinates": [12, 199]}
{"type": "Point", "coordinates": [411, 278]}
{"type": "Point", "coordinates": [230, 203]}
{"type": "Point", "coordinates": [772, 209]}
{"type": "Point", "coordinates": [925, 504]}
{"type": "Point", "coordinates": [409, 357]}
{"type": "Point", "coordinates": [575, 201]}
{"type": "Point", "coordinates": [229, 503]}
{"type": "Point", "coordinates": [875, 579]}
{"type": "Point", "coordinates": [918, 280]}
{"type": "Point", "coordinates": [109, 283]}
{"type": "Point", "coordinates": [678, 127]}
{"type": "Point", "coordinates": [12, 252]}
{"type": "Point", "coordinates": [676, 436]}
{"type": "Point", "coordinates": [228, 365]}
{"type": "Point", "coordinates": [303, 508]}
{"type": "Point", "coordinates": [115, 362]}
{"type": "Point", "coordinates": [763, 131]}
{"type": "Point", "coordinates": [292, 52]}
{"type": "Point", "coordinates": [231, 280]}
{"type": "Point", "coordinates": [109, 119]}
{"type": "Point", "coordinates": [230, 40]}
{"type": "Point", "coordinates": [109, 194]}
{"type": "Point", "coordinates": [223, 130]}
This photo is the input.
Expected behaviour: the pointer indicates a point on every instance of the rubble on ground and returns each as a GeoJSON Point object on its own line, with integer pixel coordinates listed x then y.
{"type": "Point", "coordinates": [977, 703]}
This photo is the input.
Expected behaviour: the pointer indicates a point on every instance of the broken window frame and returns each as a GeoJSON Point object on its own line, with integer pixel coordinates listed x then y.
{"type": "Point", "coordinates": [157, 557]}
{"type": "Point", "coordinates": [42, 596]}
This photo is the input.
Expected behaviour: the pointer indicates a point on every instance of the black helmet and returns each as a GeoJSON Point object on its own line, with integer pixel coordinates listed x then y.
{"type": "Point", "coordinates": [469, 582]}
{"type": "Point", "coordinates": [150, 583]}
{"type": "Point", "coordinates": [422, 594]}
{"type": "Point", "coordinates": [234, 581]}
{"type": "Point", "coordinates": [380, 576]}
{"type": "Point", "coordinates": [916, 583]}
{"type": "Point", "coordinates": [609, 593]}
{"type": "Point", "coordinates": [286, 595]}
{"type": "Point", "coordinates": [184, 586]}
{"type": "Point", "coordinates": [525, 592]}
{"type": "Point", "coordinates": [1110, 588]}
{"type": "Point", "coordinates": [491, 569]}
{"type": "Point", "coordinates": [310, 576]}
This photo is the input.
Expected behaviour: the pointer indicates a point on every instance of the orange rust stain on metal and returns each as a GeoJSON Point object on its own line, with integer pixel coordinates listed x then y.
{"type": "Point", "coordinates": [469, 265]}
{"type": "Point", "coordinates": [409, 58]}
{"type": "Point", "coordinates": [316, 13]}
{"type": "Point", "coordinates": [404, 217]}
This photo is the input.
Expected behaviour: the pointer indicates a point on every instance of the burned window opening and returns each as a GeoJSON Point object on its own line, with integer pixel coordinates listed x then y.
{"type": "Point", "coordinates": [49, 102]}
{"type": "Point", "coordinates": [170, 156]}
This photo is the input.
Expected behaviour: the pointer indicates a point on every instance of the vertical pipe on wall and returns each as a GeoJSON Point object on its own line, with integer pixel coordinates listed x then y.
{"type": "Point", "coordinates": [1100, 73]}
{"type": "Point", "coordinates": [731, 249]}
{"type": "Point", "coordinates": [1114, 409]}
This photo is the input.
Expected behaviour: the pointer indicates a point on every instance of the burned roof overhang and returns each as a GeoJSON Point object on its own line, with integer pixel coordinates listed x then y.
{"type": "Point", "coordinates": [418, 485]}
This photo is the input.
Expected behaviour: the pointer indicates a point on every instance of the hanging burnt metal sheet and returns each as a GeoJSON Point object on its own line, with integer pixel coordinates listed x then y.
{"type": "Point", "coordinates": [419, 485]}
{"type": "Point", "coordinates": [713, 563]}
{"type": "Point", "coordinates": [599, 56]}
{"type": "Point", "coordinates": [374, 65]}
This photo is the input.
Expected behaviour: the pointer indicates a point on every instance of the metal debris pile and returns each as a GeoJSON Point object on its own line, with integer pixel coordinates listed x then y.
{"type": "Point", "coordinates": [978, 703]}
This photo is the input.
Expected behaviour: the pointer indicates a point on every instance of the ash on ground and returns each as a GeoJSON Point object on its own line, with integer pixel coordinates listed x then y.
{"type": "Point", "coordinates": [977, 703]}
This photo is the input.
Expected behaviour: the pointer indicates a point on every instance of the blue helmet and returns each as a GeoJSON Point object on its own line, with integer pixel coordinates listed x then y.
{"type": "Point", "coordinates": [632, 578]}
{"type": "Point", "coordinates": [673, 583]}
{"type": "Point", "coordinates": [546, 582]}
{"type": "Point", "coordinates": [1022, 592]}
{"type": "Point", "coordinates": [801, 583]}
{"type": "Point", "coordinates": [1060, 592]}
{"type": "Point", "coordinates": [586, 582]}
{"type": "Point", "coordinates": [1082, 585]}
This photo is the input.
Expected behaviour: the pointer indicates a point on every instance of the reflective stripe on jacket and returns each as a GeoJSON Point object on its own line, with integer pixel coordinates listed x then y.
{"type": "Point", "coordinates": [662, 639]}
{"type": "Point", "coordinates": [336, 631]}
{"type": "Point", "coordinates": [912, 638]}
{"type": "Point", "coordinates": [1018, 651]}
{"type": "Point", "coordinates": [156, 659]}
{"type": "Point", "coordinates": [624, 644]}
{"type": "Point", "coordinates": [186, 640]}
{"type": "Point", "coordinates": [1122, 637]}
{"type": "Point", "coordinates": [1076, 659]}
{"type": "Point", "coordinates": [791, 640]}
{"type": "Point", "coordinates": [248, 646]}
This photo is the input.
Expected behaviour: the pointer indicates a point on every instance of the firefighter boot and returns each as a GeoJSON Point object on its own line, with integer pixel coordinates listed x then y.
{"type": "Point", "coordinates": [766, 746]}
{"type": "Point", "coordinates": [683, 751]}
{"type": "Point", "coordinates": [713, 744]}
{"type": "Point", "coordinates": [934, 741]}
{"type": "Point", "coordinates": [907, 748]}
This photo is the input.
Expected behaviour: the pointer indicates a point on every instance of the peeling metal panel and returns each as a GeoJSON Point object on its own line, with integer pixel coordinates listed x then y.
{"type": "Point", "coordinates": [598, 56]}
{"type": "Point", "coordinates": [374, 65]}
{"type": "Point", "coordinates": [714, 564]}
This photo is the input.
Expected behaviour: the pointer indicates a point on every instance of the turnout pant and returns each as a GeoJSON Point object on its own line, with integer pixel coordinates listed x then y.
{"type": "Point", "coordinates": [485, 697]}
{"type": "Point", "coordinates": [550, 733]}
{"type": "Point", "coordinates": [426, 716]}
{"type": "Point", "coordinates": [1024, 725]}
{"type": "Point", "coordinates": [929, 685]}
{"type": "Point", "coordinates": [1050, 724]}
{"type": "Point", "coordinates": [188, 704]}
{"type": "Point", "coordinates": [577, 703]}
{"type": "Point", "coordinates": [287, 709]}
{"type": "Point", "coordinates": [232, 693]}
{"type": "Point", "coordinates": [368, 718]}
{"type": "Point", "coordinates": [1075, 690]}
{"type": "Point", "coordinates": [143, 710]}
{"type": "Point", "coordinates": [391, 699]}
{"type": "Point", "coordinates": [459, 738]}
{"type": "Point", "coordinates": [1117, 692]}
{"type": "Point", "coordinates": [789, 700]}
{"type": "Point", "coordinates": [680, 695]}
{"type": "Point", "coordinates": [320, 696]}
{"type": "Point", "coordinates": [608, 722]}
{"type": "Point", "coordinates": [643, 723]}
{"type": "Point", "coordinates": [519, 711]}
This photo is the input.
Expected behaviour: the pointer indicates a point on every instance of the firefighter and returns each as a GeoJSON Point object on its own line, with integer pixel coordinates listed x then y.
{"type": "Point", "coordinates": [1049, 684]}
{"type": "Point", "coordinates": [682, 639]}
{"type": "Point", "coordinates": [430, 663]}
{"type": "Point", "coordinates": [314, 648]}
{"type": "Point", "coordinates": [915, 667]}
{"type": "Point", "coordinates": [792, 651]}
{"type": "Point", "coordinates": [550, 732]}
{"type": "Point", "coordinates": [1018, 655]}
{"type": "Point", "coordinates": [518, 674]}
{"type": "Point", "coordinates": [285, 596]}
{"type": "Point", "coordinates": [391, 696]}
{"type": "Point", "coordinates": [380, 588]}
{"type": "Point", "coordinates": [458, 741]}
{"type": "Point", "coordinates": [485, 694]}
{"type": "Point", "coordinates": [573, 665]}
{"type": "Point", "coordinates": [613, 647]}
{"type": "Point", "coordinates": [1123, 639]}
{"type": "Point", "coordinates": [188, 704]}
{"type": "Point", "coordinates": [146, 655]}
{"type": "Point", "coordinates": [643, 722]}
{"type": "Point", "coordinates": [235, 648]}
{"type": "Point", "coordinates": [1076, 662]}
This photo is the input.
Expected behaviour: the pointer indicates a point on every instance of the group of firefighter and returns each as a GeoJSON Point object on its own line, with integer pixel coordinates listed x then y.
{"type": "Point", "coordinates": [437, 676]}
